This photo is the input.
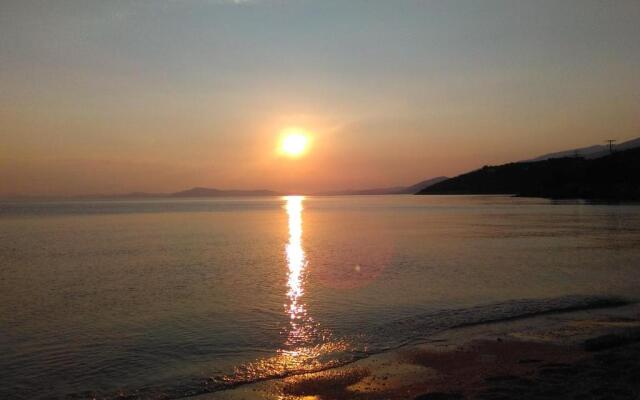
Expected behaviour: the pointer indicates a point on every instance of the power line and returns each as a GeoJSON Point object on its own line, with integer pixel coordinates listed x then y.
{"type": "Point", "coordinates": [611, 142]}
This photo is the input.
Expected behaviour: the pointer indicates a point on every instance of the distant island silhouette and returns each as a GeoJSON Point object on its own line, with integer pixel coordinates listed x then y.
{"type": "Point", "coordinates": [614, 177]}
{"type": "Point", "coordinates": [390, 190]}
{"type": "Point", "coordinates": [208, 192]}
{"type": "Point", "coordinates": [212, 192]}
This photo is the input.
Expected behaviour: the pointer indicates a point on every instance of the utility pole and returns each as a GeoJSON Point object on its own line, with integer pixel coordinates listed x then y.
{"type": "Point", "coordinates": [611, 142]}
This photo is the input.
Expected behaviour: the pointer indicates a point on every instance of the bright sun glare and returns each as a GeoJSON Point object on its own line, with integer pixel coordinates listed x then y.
{"type": "Point", "coordinates": [294, 142]}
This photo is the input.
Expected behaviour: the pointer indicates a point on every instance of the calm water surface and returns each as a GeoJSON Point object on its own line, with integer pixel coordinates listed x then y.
{"type": "Point", "coordinates": [176, 297]}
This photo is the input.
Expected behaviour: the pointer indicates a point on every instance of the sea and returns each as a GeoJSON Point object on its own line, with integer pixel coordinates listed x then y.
{"type": "Point", "coordinates": [169, 298]}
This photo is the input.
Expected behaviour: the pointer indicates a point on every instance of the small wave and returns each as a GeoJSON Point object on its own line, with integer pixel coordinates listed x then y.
{"type": "Point", "coordinates": [381, 338]}
{"type": "Point", "coordinates": [419, 328]}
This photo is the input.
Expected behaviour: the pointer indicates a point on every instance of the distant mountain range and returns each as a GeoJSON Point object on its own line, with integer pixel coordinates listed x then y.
{"type": "Point", "coordinates": [210, 192]}
{"type": "Point", "coordinates": [390, 190]}
{"type": "Point", "coordinates": [199, 192]}
{"type": "Point", "coordinates": [361, 192]}
{"type": "Point", "coordinates": [207, 192]}
{"type": "Point", "coordinates": [193, 192]}
{"type": "Point", "coordinates": [590, 152]}
{"type": "Point", "coordinates": [612, 177]}
{"type": "Point", "coordinates": [413, 189]}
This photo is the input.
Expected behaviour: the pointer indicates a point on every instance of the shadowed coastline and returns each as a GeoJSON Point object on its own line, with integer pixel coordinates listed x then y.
{"type": "Point", "coordinates": [615, 177]}
{"type": "Point", "coordinates": [588, 354]}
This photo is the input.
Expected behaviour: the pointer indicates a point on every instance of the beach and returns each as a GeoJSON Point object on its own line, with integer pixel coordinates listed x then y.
{"type": "Point", "coordinates": [593, 354]}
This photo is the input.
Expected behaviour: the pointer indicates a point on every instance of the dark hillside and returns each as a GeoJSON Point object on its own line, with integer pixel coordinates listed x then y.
{"type": "Point", "coordinates": [614, 177]}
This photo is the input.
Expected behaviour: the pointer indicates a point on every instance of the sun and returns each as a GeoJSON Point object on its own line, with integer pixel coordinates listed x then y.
{"type": "Point", "coordinates": [294, 142]}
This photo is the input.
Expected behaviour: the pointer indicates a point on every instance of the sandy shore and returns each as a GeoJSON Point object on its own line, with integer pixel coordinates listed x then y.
{"type": "Point", "coordinates": [591, 354]}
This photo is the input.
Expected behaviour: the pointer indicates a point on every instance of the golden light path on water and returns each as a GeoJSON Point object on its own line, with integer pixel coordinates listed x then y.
{"type": "Point", "coordinates": [306, 342]}
{"type": "Point", "coordinates": [306, 345]}
{"type": "Point", "coordinates": [296, 263]}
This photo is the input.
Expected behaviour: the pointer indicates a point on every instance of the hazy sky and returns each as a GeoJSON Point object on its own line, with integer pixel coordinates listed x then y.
{"type": "Point", "coordinates": [162, 95]}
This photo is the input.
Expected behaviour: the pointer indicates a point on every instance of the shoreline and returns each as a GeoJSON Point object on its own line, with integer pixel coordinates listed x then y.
{"type": "Point", "coordinates": [575, 354]}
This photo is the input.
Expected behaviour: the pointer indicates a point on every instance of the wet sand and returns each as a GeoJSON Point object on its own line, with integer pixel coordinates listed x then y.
{"type": "Point", "coordinates": [581, 355]}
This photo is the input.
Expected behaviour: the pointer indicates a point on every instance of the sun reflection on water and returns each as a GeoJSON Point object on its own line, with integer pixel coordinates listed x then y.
{"type": "Point", "coordinates": [295, 256]}
{"type": "Point", "coordinates": [300, 323]}
{"type": "Point", "coordinates": [307, 347]}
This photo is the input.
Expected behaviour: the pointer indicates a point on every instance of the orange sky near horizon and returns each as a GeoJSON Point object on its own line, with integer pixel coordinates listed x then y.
{"type": "Point", "coordinates": [116, 97]}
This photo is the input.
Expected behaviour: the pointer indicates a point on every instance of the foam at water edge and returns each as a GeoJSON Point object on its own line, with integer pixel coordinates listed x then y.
{"type": "Point", "coordinates": [385, 337]}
